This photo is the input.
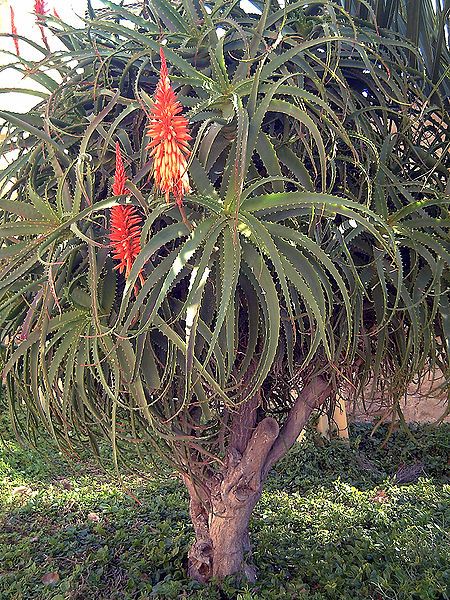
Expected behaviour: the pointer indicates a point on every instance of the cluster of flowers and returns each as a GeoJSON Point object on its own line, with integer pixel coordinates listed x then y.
{"type": "Point", "coordinates": [40, 10]}
{"type": "Point", "coordinates": [169, 136]}
{"type": "Point", "coordinates": [169, 147]}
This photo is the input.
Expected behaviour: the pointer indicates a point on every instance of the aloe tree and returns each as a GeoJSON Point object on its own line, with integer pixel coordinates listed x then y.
{"type": "Point", "coordinates": [305, 252]}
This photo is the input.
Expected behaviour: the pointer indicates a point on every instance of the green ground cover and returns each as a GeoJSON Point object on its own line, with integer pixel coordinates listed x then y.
{"type": "Point", "coordinates": [334, 522]}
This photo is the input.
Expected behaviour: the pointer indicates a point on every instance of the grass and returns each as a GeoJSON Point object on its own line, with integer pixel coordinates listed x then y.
{"type": "Point", "coordinates": [333, 523]}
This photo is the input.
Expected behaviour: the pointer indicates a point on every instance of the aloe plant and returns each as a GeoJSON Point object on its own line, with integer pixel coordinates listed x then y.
{"type": "Point", "coordinates": [306, 252]}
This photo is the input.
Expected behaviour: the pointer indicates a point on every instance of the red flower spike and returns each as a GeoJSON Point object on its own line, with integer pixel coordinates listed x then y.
{"type": "Point", "coordinates": [14, 30]}
{"type": "Point", "coordinates": [55, 13]}
{"type": "Point", "coordinates": [169, 136]}
{"type": "Point", "coordinates": [125, 226]}
{"type": "Point", "coordinates": [40, 8]}
{"type": "Point", "coordinates": [125, 237]}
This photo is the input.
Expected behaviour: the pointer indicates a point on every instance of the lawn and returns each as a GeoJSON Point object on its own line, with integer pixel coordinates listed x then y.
{"type": "Point", "coordinates": [334, 522]}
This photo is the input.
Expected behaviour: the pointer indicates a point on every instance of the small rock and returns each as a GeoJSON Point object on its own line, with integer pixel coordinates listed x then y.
{"type": "Point", "coordinates": [380, 497]}
{"type": "Point", "coordinates": [22, 490]}
{"type": "Point", "coordinates": [50, 578]}
{"type": "Point", "coordinates": [65, 483]}
{"type": "Point", "coordinates": [93, 517]}
{"type": "Point", "coordinates": [409, 473]}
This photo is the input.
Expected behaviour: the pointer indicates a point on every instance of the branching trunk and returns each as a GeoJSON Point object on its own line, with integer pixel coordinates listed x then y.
{"type": "Point", "coordinates": [221, 507]}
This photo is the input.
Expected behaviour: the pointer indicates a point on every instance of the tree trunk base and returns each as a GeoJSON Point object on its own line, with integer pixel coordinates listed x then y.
{"type": "Point", "coordinates": [222, 501]}
{"type": "Point", "coordinates": [220, 510]}
{"type": "Point", "coordinates": [223, 548]}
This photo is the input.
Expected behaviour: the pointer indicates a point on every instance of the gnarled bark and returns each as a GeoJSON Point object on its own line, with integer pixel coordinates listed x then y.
{"type": "Point", "coordinates": [200, 554]}
{"type": "Point", "coordinates": [221, 507]}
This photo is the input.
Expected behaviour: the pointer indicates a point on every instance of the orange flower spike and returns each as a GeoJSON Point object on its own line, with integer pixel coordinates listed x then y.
{"type": "Point", "coordinates": [169, 136]}
{"type": "Point", "coordinates": [125, 226]}
{"type": "Point", "coordinates": [14, 30]}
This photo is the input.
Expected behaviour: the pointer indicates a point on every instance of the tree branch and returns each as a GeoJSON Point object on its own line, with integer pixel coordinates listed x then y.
{"type": "Point", "coordinates": [247, 473]}
{"type": "Point", "coordinates": [243, 423]}
{"type": "Point", "coordinates": [312, 396]}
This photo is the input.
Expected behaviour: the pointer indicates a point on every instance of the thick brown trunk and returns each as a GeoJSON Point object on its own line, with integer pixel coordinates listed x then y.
{"type": "Point", "coordinates": [231, 542]}
{"type": "Point", "coordinates": [220, 509]}
{"type": "Point", "coordinates": [200, 557]}
{"type": "Point", "coordinates": [222, 544]}
{"type": "Point", "coordinates": [221, 504]}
